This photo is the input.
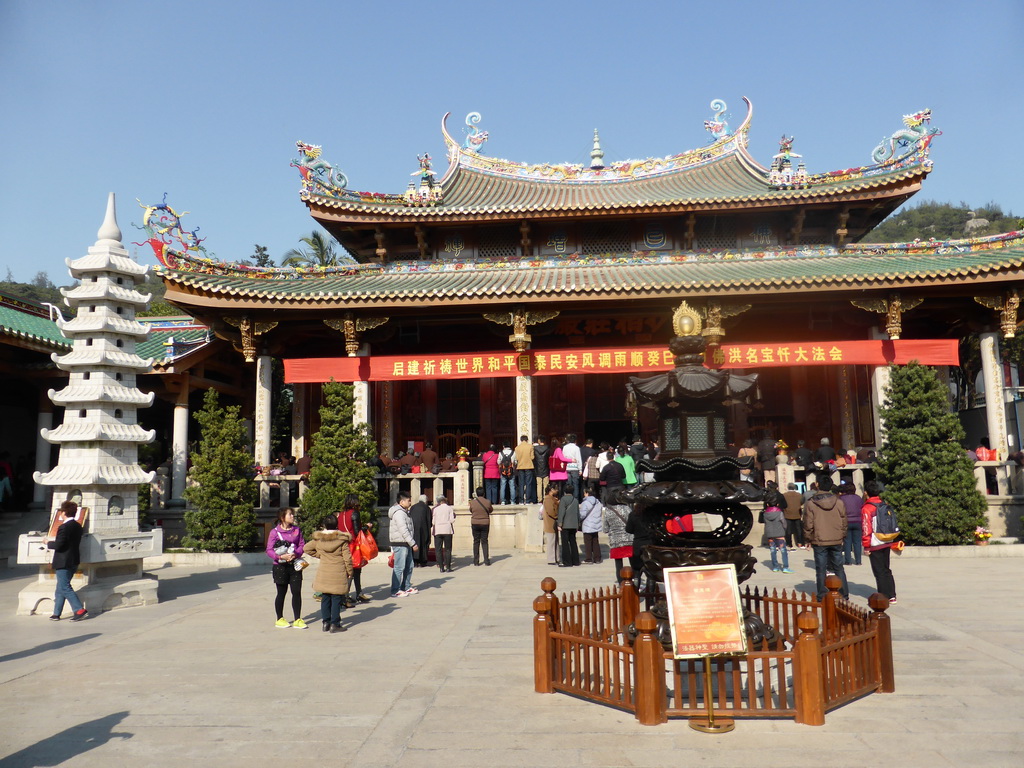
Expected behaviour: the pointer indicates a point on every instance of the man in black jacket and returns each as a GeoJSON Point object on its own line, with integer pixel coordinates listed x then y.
{"type": "Point", "coordinates": [66, 559]}
{"type": "Point", "coordinates": [420, 515]}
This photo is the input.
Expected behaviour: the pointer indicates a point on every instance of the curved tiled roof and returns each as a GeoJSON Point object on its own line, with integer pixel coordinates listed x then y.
{"type": "Point", "coordinates": [636, 274]}
{"type": "Point", "coordinates": [27, 322]}
{"type": "Point", "coordinates": [720, 173]}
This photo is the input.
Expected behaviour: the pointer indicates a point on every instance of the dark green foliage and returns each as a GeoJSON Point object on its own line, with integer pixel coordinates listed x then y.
{"type": "Point", "coordinates": [220, 516]}
{"type": "Point", "coordinates": [260, 258]}
{"type": "Point", "coordinates": [339, 466]}
{"type": "Point", "coordinates": [942, 221]}
{"type": "Point", "coordinates": [928, 478]}
{"type": "Point", "coordinates": [36, 293]}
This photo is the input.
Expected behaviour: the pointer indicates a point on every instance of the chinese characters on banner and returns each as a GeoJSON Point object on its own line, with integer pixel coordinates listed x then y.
{"type": "Point", "coordinates": [615, 360]}
{"type": "Point", "coordinates": [704, 611]}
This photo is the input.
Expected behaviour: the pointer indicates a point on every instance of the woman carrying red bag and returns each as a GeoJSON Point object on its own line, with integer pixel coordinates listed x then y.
{"type": "Point", "coordinates": [349, 521]}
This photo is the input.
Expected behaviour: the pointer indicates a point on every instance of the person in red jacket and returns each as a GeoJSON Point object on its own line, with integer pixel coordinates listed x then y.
{"type": "Point", "coordinates": [879, 552]}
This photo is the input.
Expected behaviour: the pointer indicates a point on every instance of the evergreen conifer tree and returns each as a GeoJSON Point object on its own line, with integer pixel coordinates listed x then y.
{"type": "Point", "coordinates": [339, 463]}
{"type": "Point", "coordinates": [221, 516]}
{"type": "Point", "coordinates": [929, 481]}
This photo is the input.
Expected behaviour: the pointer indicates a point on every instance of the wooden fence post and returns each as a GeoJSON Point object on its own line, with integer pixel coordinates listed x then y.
{"type": "Point", "coordinates": [879, 603]}
{"type": "Point", "coordinates": [629, 600]}
{"type": "Point", "coordinates": [548, 585]}
{"type": "Point", "coordinates": [828, 606]}
{"type": "Point", "coordinates": [808, 682]}
{"type": "Point", "coordinates": [543, 646]}
{"type": "Point", "coordinates": [649, 673]}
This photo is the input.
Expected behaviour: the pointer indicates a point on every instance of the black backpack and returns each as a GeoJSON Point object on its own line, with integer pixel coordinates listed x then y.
{"type": "Point", "coordinates": [886, 528]}
{"type": "Point", "coordinates": [505, 465]}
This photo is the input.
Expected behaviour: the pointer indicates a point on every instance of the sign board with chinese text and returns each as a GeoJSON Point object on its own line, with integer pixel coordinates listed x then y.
{"type": "Point", "coordinates": [584, 360]}
{"type": "Point", "coordinates": [704, 611]}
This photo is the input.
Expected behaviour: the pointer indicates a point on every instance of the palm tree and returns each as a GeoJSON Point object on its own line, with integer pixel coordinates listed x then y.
{"type": "Point", "coordinates": [318, 253]}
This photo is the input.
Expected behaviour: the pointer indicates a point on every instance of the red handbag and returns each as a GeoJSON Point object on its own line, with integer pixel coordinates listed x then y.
{"type": "Point", "coordinates": [391, 560]}
{"type": "Point", "coordinates": [367, 545]}
{"type": "Point", "coordinates": [358, 560]}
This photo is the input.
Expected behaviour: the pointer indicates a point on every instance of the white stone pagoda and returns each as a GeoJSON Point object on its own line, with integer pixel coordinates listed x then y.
{"type": "Point", "coordinates": [99, 437]}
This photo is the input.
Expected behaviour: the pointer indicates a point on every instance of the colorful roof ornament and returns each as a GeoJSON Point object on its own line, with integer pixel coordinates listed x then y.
{"type": "Point", "coordinates": [781, 175]}
{"type": "Point", "coordinates": [475, 138]}
{"type": "Point", "coordinates": [429, 192]}
{"type": "Point", "coordinates": [167, 237]}
{"type": "Point", "coordinates": [318, 176]}
{"type": "Point", "coordinates": [912, 140]}
{"type": "Point", "coordinates": [719, 127]}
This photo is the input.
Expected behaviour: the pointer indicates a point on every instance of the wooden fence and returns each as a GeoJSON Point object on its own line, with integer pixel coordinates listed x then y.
{"type": "Point", "coordinates": [829, 653]}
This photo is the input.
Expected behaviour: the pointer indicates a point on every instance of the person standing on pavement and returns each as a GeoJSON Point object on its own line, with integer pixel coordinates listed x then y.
{"type": "Point", "coordinates": [419, 513]}
{"type": "Point", "coordinates": [568, 525]}
{"type": "Point", "coordinates": [574, 463]}
{"type": "Point", "coordinates": [853, 504]}
{"type": "Point", "coordinates": [794, 522]}
{"type": "Point", "coordinates": [825, 530]}
{"type": "Point", "coordinates": [285, 546]}
{"type": "Point", "coordinates": [524, 471]}
{"type": "Point", "coordinates": [558, 466]}
{"type": "Point", "coordinates": [66, 559]}
{"type": "Point", "coordinates": [550, 516]}
{"type": "Point", "coordinates": [541, 454]}
{"type": "Point", "coordinates": [403, 546]}
{"type": "Point", "coordinates": [775, 530]}
{"type": "Point", "coordinates": [331, 547]}
{"type": "Point", "coordinates": [590, 524]}
{"type": "Point", "coordinates": [350, 521]}
{"type": "Point", "coordinates": [443, 528]}
{"type": "Point", "coordinates": [480, 510]}
{"type": "Point", "coordinates": [879, 552]}
{"type": "Point", "coordinates": [491, 473]}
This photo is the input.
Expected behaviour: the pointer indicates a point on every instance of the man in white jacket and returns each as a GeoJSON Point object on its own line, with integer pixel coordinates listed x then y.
{"type": "Point", "coordinates": [403, 545]}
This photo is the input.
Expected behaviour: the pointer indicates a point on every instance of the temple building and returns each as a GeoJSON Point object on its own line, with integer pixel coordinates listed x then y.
{"type": "Point", "coordinates": [505, 298]}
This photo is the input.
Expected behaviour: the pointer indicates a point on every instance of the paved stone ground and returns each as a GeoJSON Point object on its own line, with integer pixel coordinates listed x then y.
{"type": "Point", "coordinates": [445, 678]}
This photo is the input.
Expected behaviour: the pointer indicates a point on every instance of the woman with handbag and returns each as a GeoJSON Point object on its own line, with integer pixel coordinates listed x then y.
{"type": "Point", "coordinates": [285, 546]}
{"type": "Point", "coordinates": [350, 522]}
{"type": "Point", "coordinates": [558, 466]}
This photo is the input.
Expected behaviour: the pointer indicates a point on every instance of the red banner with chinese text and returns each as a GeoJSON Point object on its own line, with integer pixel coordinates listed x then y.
{"type": "Point", "coordinates": [615, 360]}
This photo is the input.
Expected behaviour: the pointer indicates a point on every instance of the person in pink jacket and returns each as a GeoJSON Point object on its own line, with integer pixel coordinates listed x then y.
{"type": "Point", "coordinates": [558, 466]}
{"type": "Point", "coordinates": [491, 473]}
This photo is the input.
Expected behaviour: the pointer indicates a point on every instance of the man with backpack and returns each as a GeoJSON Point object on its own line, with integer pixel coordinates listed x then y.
{"type": "Point", "coordinates": [507, 470]}
{"type": "Point", "coordinates": [879, 533]}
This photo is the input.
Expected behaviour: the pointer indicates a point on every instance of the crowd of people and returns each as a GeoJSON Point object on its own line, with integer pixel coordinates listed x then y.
{"type": "Point", "coordinates": [838, 525]}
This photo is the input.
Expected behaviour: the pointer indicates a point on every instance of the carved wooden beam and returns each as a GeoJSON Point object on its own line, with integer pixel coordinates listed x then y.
{"type": "Point", "coordinates": [249, 331]}
{"type": "Point", "coordinates": [714, 313]}
{"type": "Point", "coordinates": [353, 328]}
{"type": "Point", "coordinates": [524, 238]}
{"type": "Point", "coordinates": [1007, 305]}
{"type": "Point", "coordinates": [382, 251]}
{"type": "Point", "coordinates": [893, 309]}
{"type": "Point", "coordinates": [841, 230]}
{"type": "Point", "coordinates": [421, 241]}
{"type": "Point", "coordinates": [519, 320]}
{"type": "Point", "coordinates": [798, 226]}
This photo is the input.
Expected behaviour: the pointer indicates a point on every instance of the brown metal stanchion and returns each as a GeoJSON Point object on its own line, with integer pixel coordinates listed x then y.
{"type": "Point", "coordinates": [709, 724]}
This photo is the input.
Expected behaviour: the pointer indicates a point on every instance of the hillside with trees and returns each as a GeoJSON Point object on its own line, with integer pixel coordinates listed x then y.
{"type": "Point", "coordinates": [943, 221]}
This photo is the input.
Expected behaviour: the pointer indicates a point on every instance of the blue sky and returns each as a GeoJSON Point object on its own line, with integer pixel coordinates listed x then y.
{"type": "Point", "coordinates": [204, 100]}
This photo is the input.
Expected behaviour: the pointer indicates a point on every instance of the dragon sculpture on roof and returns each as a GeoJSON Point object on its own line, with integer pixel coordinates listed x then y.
{"type": "Point", "coordinates": [475, 138]}
{"type": "Point", "coordinates": [317, 175]}
{"type": "Point", "coordinates": [916, 137]}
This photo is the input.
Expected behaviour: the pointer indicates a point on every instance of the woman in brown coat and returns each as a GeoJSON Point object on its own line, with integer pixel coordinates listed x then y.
{"type": "Point", "coordinates": [331, 547]}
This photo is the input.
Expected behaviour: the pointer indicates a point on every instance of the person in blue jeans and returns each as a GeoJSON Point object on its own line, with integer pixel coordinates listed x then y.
{"type": "Point", "coordinates": [403, 545]}
{"type": "Point", "coordinates": [775, 529]}
{"type": "Point", "coordinates": [825, 530]}
{"type": "Point", "coordinates": [66, 559]}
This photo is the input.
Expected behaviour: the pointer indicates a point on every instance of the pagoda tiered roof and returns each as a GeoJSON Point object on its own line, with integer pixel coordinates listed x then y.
{"type": "Point", "coordinates": [202, 284]}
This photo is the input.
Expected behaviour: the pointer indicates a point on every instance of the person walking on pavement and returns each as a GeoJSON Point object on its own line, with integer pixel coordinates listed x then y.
{"type": "Point", "coordinates": [66, 559]}
{"type": "Point", "coordinates": [550, 515]}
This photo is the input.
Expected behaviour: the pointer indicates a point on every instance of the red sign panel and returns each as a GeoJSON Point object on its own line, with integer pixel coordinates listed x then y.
{"type": "Point", "coordinates": [478, 365]}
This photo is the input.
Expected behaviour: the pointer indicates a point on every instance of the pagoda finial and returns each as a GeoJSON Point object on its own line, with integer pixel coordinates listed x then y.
{"type": "Point", "coordinates": [597, 154]}
{"type": "Point", "coordinates": [109, 233]}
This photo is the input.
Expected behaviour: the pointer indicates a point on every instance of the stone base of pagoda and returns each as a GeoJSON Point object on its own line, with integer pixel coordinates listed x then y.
{"type": "Point", "coordinates": [100, 586]}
